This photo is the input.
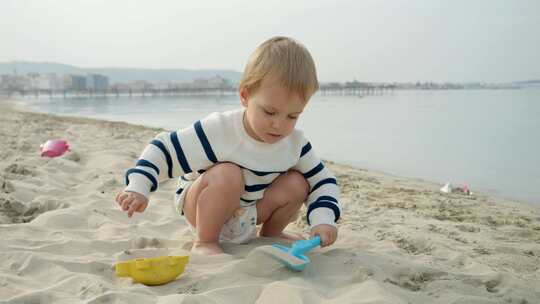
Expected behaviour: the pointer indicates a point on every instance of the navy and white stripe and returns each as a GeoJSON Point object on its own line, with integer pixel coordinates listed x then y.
{"type": "Point", "coordinates": [324, 191]}
{"type": "Point", "coordinates": [305, 149]}
{"type": "Point", "coordinates": [145, 174]}
{"type": "Point", "coordinates": [204, 141]}
{"type": "Point", "coordinates": [180, 153]}
{"type": "Point", "coordinates": [255, 183]}
{"type": "Point", "coordinates": [166, 154]}
{"type": "Point", "coordinates": [145, 163]}
{"type": "Point", "coordinates": [325, 202]}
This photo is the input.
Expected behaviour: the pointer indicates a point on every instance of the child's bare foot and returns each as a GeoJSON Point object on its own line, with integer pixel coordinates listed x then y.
{"type": "Point", "coordinates": [206, 248]}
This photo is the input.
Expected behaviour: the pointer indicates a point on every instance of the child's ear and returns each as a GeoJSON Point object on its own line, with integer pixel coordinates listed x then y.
{"type": "Point", "coordinates": [244, 96]}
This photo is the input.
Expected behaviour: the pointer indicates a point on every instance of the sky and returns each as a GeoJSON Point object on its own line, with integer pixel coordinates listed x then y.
{"type": "Point", "coordinates": [364, 40]}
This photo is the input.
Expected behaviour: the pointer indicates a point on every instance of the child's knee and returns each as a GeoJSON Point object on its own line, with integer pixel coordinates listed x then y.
{"type": "Point", "coordinates": [297, 185]}
{"type": "Point", "coordinates": [227, 176]}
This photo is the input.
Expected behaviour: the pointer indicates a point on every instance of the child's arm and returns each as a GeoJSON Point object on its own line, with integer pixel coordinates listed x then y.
{"type": "Point", "coordinates": [172, 154]}
{"type": "Point", "coordinates": [323, 199]}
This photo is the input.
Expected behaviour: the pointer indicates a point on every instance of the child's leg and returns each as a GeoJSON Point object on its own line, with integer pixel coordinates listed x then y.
{"type": "Point", "coordinates": [210, 201]}
{"type": "Point", "coordinates": [281, 203]}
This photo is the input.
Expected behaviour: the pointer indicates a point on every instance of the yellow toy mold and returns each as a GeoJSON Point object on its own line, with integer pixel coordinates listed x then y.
{"type": "Point", "coordinates": [153, 271]}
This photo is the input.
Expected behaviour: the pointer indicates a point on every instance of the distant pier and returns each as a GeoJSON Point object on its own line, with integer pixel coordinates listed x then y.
{"type": "Point", "coordinates": [354, 88]}
{"type": "Point", "coordinates": [114, 92]}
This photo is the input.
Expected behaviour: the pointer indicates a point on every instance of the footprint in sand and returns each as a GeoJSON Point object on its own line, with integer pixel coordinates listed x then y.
{"type": "Point", "coordinates": [414, 246]}
{"type": "Point", "coordinates": [18, 169]}
{"type": "Point", "coordinates": [5, 185]}
{"type": "Point", "coordinates": [468, 228]}
{"type": "Point", "coordinates": [492, 283]}
{"type": "Point", "coordinates": [413, 279]}
{"type": "Point", "coordinates": [144, 242]}
{"type": "Point", "coordinates": [13, 211]}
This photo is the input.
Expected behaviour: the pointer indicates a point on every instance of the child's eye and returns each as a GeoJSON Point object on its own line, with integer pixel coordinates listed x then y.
{"type": "Point", "coordinates": [268, 112]}
{"type": "Point", "coordinates": [293, 117]}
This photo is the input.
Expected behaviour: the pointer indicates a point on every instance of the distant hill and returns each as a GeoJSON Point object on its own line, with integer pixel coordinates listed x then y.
{"type": "Point", "coordinates": [117, 74]}
{"type": "Point", "coordinates": [529, 82]}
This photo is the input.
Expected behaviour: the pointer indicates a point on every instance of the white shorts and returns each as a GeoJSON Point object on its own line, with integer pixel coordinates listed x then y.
{"type": "Point", "coordinates": [239, 229]}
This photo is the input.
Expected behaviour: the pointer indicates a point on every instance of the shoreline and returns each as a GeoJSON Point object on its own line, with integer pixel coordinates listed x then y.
{"type": "Point", "coordinates": [493, 193]}
{"type": "Point", "coordinates": [400, 239]}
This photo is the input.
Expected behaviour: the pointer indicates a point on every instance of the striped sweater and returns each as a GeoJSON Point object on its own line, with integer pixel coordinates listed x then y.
{"type": "Point", "coordinates": [221, 137]}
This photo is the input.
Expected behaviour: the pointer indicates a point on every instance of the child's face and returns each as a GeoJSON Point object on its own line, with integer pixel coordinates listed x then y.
{"type": "Point", "coordinates": [271, 112]}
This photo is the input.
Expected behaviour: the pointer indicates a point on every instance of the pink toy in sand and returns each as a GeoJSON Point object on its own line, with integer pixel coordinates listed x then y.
{"type": "Point", "coordinates": [54, 147]}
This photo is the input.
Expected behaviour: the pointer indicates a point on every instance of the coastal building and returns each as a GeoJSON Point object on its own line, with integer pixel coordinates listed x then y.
{"type": "Point", "coordinates": [165, 85]}
{"type": "Point", "coordinates": [48, 81]}
{"type": "Point", "coordinates": [97, 82]}
{"type": "Point", "coordinates": [76, 82]}
{"type": "Point", "coordinates": [15, 82]}
{"type": "Point", "coordinates": [140, 85]}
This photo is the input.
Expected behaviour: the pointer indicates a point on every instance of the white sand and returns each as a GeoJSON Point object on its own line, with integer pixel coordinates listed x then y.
{"type": "Point", "coordinates": [400, 240]}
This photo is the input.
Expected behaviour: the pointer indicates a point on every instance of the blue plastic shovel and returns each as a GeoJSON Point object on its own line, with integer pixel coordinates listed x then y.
{"type": "Point", "coordinates": [293, 257]}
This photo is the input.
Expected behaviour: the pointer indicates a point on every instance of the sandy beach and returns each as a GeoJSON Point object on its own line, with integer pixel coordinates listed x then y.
{"type": "Point", "coordinates": [400, 239]}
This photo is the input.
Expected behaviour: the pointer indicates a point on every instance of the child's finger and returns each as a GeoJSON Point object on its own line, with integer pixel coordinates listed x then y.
{"type": "Point", "coordinates": [328, 240]}
{"type": "Point", "coordinates": [126, 202]}
{"type": "Point", "coordinates": [324, 239]}
{"type": "Point", "coordinates": [334, 236]}
{"type": "Point", "coordinates": [120, 197]}
{"type": "Point", "coordinates": [142, 207]}
{"type": "Point", "coordinates": [117, 199]}
{"type": "Point", "coordinates": [331, 237]}
{"type": "Point", "coordinates": [134, 206]}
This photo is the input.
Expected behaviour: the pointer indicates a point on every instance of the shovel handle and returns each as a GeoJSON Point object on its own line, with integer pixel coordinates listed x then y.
{"type": "Point", "coordinates": [303, 246]}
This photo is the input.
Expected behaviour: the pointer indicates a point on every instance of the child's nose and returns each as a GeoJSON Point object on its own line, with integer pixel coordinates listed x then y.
{"type": "Point", "coordinates": [277, 123]}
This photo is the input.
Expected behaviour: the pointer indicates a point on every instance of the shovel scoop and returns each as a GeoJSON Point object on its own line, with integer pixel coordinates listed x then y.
{"type": "Point", "coordinates": [293, 257]}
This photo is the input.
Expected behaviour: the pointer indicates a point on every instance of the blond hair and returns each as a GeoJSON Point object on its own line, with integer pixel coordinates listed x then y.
{"type": "Point", "coordinates": [285, 59]}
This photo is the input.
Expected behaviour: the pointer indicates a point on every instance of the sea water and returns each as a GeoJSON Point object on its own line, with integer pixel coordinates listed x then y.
{"type": "Point", "coordinates": [486, 139]}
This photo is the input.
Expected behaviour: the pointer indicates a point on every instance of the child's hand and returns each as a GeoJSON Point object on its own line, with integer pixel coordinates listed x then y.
{"type": "Point", "coordinates": [327, 233]}
{"type": "Point", "coordinates": [131, 202]}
